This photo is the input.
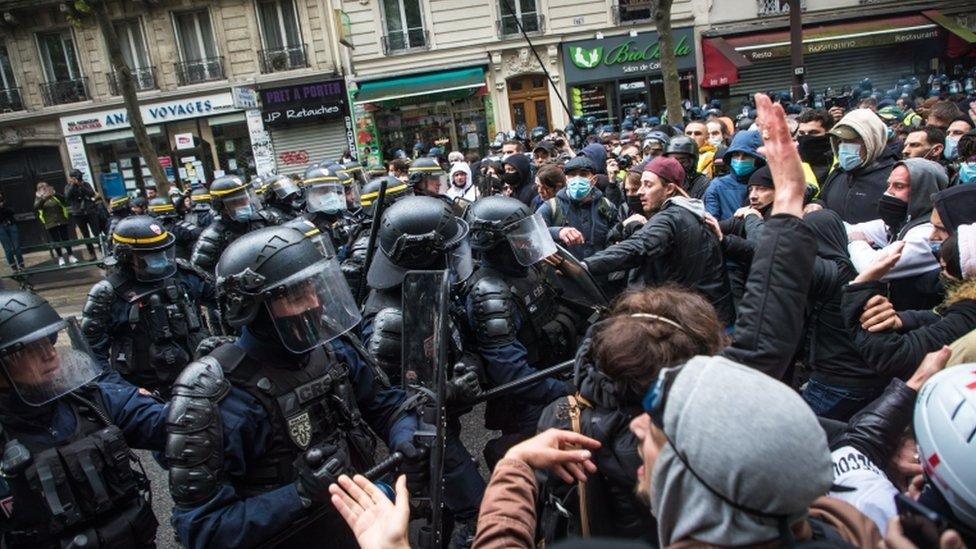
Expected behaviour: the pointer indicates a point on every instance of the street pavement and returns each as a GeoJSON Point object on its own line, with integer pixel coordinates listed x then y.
{"type": "Point", "coordinates": [67, 292]}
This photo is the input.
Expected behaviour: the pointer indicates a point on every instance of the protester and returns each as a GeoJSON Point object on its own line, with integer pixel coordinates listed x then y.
{"type": "Point", "coordinates": [50, 208]}
{"type": "Point", "coordinates": [462, 185]}
{"type": "Point", "coordinates": [685, 151]}
{"type": "Point", "coordinates": [726, 194]}
{"type": "Point", "coordinates": [10, 236]}
{"type": "Point", "coordinates": [579, 215]}
{"type": "Point", "coordinates": [549, 180]}
{"type": "Point", "coordinates": [698, 132]}
{"type": "Point", "coordinates": [518, 177]}
{"type": "Point", "coordinates": [927, 142]}
{"type": "Point", "coordinates": [82, 208]}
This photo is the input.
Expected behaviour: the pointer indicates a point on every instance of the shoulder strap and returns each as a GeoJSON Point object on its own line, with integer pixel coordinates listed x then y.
{"type": "Point", "coordinates": [229, 356]}
{"type": "Point", "coordinates": [575, 413]}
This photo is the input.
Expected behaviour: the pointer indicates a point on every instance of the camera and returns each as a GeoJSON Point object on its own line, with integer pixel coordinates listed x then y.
{"type": "Point", "coordinates": [624, 162]}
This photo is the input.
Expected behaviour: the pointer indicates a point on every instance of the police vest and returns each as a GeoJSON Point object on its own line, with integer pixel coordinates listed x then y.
{"type": "Point", "coordinates": [165, 328]}
{"type": "Point", "coordinates": [307, 406]}
{"type": "Point", "coordinates": [83, 493]}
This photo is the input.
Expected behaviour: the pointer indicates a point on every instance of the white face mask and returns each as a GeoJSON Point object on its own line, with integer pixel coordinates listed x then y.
{"type": "Point", "coordinates": [715, 141]}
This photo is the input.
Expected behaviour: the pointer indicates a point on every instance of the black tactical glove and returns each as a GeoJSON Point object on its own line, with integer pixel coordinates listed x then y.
{"type": "Point", "coordinates": [317, 469]}
{"type": "Point", "coordinates": [207, 346]}
{"type": "Point", "coordinates": [416, 466]}
{"type": "Point", "coordinates": [464, 386]}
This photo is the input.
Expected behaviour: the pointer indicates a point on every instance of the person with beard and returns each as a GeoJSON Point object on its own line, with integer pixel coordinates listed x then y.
{"type": "Point", "coordinates": [518, 176]}
{"type": "Point", "coordinates": [685, 151]}
{"type": "Point", "coordinates": [927, 142]}
{"type": "Point", "coordinates": [895, 353]}
{"type": "Point", "coordinates": [814, 143]}
{"type": "Point", "coordinates": [675, 245]}
{"type": "Point", "coordinates": [905, 211]}
{"type": "Point", "coordinates": [580, 216]}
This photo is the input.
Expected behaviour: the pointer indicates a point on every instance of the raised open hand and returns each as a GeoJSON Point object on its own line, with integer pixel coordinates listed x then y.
{"type": "Point", "coordinates": [376, 521]}
{"type": "Point", "coordinates": [782, 157]}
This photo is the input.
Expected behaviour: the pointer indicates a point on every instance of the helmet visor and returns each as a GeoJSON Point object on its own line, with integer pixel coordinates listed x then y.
{"type": "Point", "coordinates": [284, 186]}
{"type": "Point", "coordinates": [239, 206]}
{"type": "Point", "coordinates": [156, 265]}
{"type": "Point", "coordinates": [353, 193]}
{"type": "Point", "coordinates": [312, 307]}
{"type": "Point", "coordinates": [50, 363]}
{"type": "Point", "coordinates": [460, 263]}
{"type": "Point", "coordinates": [327, 198]}
{"type": "Point", "coordinates": [530, 240]}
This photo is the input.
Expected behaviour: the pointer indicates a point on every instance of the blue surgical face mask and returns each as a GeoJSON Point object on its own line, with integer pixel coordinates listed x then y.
{"type": "Point", "coordinates": [577, 187]}
{"type": "Point", "coordinates": [967, 172]}
{"type": "Point", "coordinates": [949, 152]}
{"type": "Point", "coordinates": [936, 247]}
{"type": "Point", "coordinates": [242, 213]}
{"type": "Point", "coordinates": [849, 156]}
{"type": "Point", "coordinates": [743, 167]}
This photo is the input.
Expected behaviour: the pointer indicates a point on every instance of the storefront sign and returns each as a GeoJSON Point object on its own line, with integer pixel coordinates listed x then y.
{"type": "Point", "coordinates": [244, 97]}
{"type": "Point", "coordinates": [839, 43]}
{"type": "Point", "coordinates": [155, 113]}
{"type": "Point", "coordinates": [184, 141]}
{"type": "Point", "coordinates": [306, 102]}
{"type": "Point", "coordinates": [264, 156]}
{"type": "Point", "coordinates": [622, 56]}
{"type": "Point", "coordinates": [78, 157]}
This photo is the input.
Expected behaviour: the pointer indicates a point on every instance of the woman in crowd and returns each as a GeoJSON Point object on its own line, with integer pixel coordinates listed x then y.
{"type": "Point", "coordinates": [52, 211]}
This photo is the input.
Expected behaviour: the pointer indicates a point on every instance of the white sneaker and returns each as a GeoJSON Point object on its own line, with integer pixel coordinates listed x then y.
{"type": "Point", "coordinates": [72, 259]}
{"type": "Point", "coordinates": [60, 262]}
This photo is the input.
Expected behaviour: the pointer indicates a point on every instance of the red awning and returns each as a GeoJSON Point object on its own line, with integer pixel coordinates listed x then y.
{"type": "Point", "coordinates": [721, 63]}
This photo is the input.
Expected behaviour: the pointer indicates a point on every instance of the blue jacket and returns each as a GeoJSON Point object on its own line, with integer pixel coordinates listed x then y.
{"type": "Point", "coordinates": [227, 520]}
{"type": "Point", "coordinates": [594, 218]}
{"type": "Point", "coordinates": [728, 193]}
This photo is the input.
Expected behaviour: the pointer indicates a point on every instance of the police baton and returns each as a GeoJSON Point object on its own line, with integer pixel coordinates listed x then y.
{"type": "Point", "coordinates": [511, 386]}
{"type": "Point", "coordinates": [371, 246]}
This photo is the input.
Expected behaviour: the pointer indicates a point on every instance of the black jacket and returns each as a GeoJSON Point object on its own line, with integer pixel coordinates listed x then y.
{"type": "Point", "coordinates": [674, 246]}
{"type": "Point", "coordinates": [855, 194]}
{"type": "Point", "coordinates": [876, 430]}
{"type": "Point", "coordinates": [899, 354]}
{"type": "Point", "coordinates": [614, 509]}
{"type": "Point", "coordinates": [829, 348]}
{"type": "Point", "coordinates": [80, 197]}
{"type": "Point", "coordinates": [696, 185]}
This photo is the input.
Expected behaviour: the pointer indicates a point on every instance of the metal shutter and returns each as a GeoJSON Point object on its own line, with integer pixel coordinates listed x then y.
{"type": "Point", "coordinates": [884, 65]}
{"type": "Point", "coordinates": [298, 146]}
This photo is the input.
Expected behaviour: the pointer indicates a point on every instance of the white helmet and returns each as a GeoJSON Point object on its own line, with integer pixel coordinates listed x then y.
{"type": "Point", "coordinates": [945, 429]}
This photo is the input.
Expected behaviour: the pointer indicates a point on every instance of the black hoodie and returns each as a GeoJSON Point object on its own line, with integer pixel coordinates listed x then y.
{"type": "Point", "coordinates": [526, 189]}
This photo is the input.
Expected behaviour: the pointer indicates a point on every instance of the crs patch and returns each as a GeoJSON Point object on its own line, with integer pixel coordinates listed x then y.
{"type": "Point", "coordinates": [300, 429]}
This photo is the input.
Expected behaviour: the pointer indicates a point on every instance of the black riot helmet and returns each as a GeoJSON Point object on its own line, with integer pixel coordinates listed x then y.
{"type": "Point", "coordinates": [356, 171]}
{"type": "Point", "coordinates": [324, 192]}
{"type": "Point", "coordinates": [497, 219]}
{"type": "Point", "coordinates": [538, 133]}
{"type": "Point", "coordinates": [139, 205]}
{"type": "Point", "coordinates": [162, 208]}
{"type": "Point", "coordinates": [43, 355]}
{"type": "Point", "coordinates": [120, 205]}
{"type": "Point", "coordinates": [230, 197]}
{"type": "Point", "coordinates": [200, 198]}
{"type": "Point", "coordinates": [684, 145]}
{"type": "Point", "coordinates": [351, 184]}
{"type": "Point", "coordinates": [395, 190]}
{"type": "Point", "coordinates": [282, 189]}
{"type": "Point", "coordinates": [418, 233]}
{"type": "Point", "coordinates": [143, 246]}
{"type": "Point", "coordinates": [427, 177]}
{"type": "Point", "coordinates": [290, 273]}
{"type": "Point", "coordinates": [376, 170]}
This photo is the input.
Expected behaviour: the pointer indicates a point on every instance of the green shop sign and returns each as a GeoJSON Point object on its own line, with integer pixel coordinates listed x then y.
{"type": "Point", "coordinates": [624, 56]}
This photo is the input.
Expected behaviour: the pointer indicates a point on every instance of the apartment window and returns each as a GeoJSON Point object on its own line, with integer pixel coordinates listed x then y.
{"type": "Point", "coordinates": [526, 12]}
{"type": "Point", "coordinates": [9, 92]}
{"type": "Point", "coordinates": [198, 48]}
{"type": "Point", "coordinates": [136, 56]}
{"type": "Point", "coordinates": [771, 8]}
{"type": "Point", "coordinates": [634, 10]}
{"type": "Point", "coordinates": [65, 84]}
{"type": "Point", "coordinates": [283, 48]}
{"type": "Point", "coordinates": [404, 25]}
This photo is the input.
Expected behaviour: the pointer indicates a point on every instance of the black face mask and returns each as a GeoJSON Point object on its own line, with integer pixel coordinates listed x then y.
{"type": "Point", "coordinates": [814, 149]}
{"type": "Point", "coordinates": [892, 211]}
{"type": "Point", "coordinates": [634, 205]}
{"type": "Point", "coordinates": [513, 180]}
{"type": "Point", "coordinates": [690, 168]}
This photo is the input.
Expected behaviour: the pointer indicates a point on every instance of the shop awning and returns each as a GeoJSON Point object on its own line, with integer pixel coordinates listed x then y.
{"type": "Point", "coordinates": [721, 62]}
{"type": "Point", "coordinates": [425, 87]}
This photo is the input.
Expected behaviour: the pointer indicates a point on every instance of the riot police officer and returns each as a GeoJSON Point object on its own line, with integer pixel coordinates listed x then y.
{"type": "Point", "coordinates": [144, 319]}
{"type": "Point", "coordinates": [201, 213]}
{"type": "Point", "coordinates": [279, 413]}
{"type": "Point", "coordinates": [68, 478]}
{"type": "Point", "coordinates": [421, 233]}
{"type": "Point", "coordinates": [282, 195]}
{"type": "Point", "coordinates": [358, 242]}
{"type": "Point", "coordinates": [186, 234]}
{"type": "Point", "coordinates": [119, 208]}
{"type": "Point", "coordinates": [427, 177]}
{"type": "Point", "coordinates": [327, 191]}
{"type": "Point", "coordinates": [237, 214]}
{"type": "Point", "coordinates": [516, 322]}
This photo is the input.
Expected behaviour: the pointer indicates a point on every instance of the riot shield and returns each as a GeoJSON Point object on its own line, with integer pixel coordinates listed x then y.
{"type": "Point", "coordinates": [425, 308]}
{"type": "Point", "coordinates": [574, 283]}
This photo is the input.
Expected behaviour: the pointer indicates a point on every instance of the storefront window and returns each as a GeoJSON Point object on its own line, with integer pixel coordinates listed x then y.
{"type": "Point", "coordinates": [593, 100]}
{"type": "Point", "coordinates": [233, 143]}
{"type": "Point", "coordinates": [455, 125]}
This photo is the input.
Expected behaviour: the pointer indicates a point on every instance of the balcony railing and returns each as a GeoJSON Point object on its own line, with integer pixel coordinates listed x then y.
{"type": "Point", "coordinates": [65, 91]}
{"type": "Point", "coordinates": [10, 100]}
{"type": "Point", "coordinates": [287, 58]}
{"type": "Point", "coordinates": [531, 23]}
{"type": "Point", "coordinates": [144, 79]}
{"type": "Point", "coordinates": [405, 40]}
{"type": "Point", "coordinates": [200, 70]}
{"type": "Point", "coordinates": [629, 11]}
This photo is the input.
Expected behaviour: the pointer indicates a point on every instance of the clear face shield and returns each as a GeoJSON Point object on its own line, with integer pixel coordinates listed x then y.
{"type": "Point", "coordinates": [326, 197]}
{"type": "Point", "coordinates": [49, 363]}
{"type": "Point", "coordinates": [152, 266]}
{"type": "Point", "coordinates": [352, 187]}
{"type": "Point", "coordinates": [239, 206]}
{"type": "Point", "coordinates": [284, 187]}
{"type": "Point", "coordinates": [530, 240]}
{"type": "Point", "coordinates": [312, 307]}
